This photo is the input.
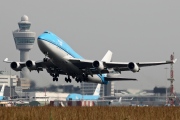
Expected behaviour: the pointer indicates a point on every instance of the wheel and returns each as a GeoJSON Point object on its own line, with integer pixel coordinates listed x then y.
{"type": "Point", "coordinates": [80, 81]}
{"type": "Point", "coordinates": [45, 59]}
{"type": "Point", "coordinates": [76, 80]}
{"type": "Point", "coordinates": [53, 79]}
{"type": "Point", "coordinates": [56, 79]}
{"type": "Point", "coordinates": [70, 80]}
{"type": "Point", "coordinates": [66, 79]}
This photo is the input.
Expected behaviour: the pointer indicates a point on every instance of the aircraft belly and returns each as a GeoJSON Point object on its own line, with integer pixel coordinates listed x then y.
{"type": "Point", "coordinates": [57, 56]}
{"type": "Point", "coordinates": [94, 79]}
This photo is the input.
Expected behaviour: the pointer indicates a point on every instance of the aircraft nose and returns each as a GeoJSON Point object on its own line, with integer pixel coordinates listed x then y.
{"type": "Point", "coordinates": [44, 35]}
{"type": "Point", "coordinates": [40, 37]}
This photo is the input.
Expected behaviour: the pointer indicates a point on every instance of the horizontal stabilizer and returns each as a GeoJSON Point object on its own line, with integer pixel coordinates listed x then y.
{"type": "Point", "coordinates": [119, 79]}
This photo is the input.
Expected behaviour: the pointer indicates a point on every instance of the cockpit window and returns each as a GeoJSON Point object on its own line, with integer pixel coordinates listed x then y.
{"type": "Point", "coordinates": [46, 32]}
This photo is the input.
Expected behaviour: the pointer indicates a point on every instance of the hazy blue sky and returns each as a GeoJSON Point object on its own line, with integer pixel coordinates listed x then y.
{"type": "Point", "coordinates": [134, 30]}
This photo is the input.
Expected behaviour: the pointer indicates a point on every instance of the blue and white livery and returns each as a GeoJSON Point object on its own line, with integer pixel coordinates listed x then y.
{"type": "Point", "coordinates": [61, 59]}
{"type": "Point", "coordinates": [76, 97]}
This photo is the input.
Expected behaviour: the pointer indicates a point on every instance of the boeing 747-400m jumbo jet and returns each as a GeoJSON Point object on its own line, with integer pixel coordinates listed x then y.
{"type": "Point", "coordinates": [61, 59]}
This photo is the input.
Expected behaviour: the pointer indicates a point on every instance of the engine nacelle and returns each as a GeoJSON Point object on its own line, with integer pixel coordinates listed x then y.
{"type": "Point", "coordinates": [16, 66]}
{"type": "Point", "coordinates": [98, 65]}
{"type": "Point", "coordinates": [133, 67]}
{"type": "Point", "coordinates": [31, 65]}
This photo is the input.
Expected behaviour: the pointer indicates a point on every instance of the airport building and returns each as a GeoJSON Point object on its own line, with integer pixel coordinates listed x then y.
{"type": "Point", "coordinates": [133, 92]}
{"type": "Point", "coordinates": [89, 88]}
{"type": "Point", "coordinates": [23, 83]}
{"type": "Point", "coordinates": [5, 79]}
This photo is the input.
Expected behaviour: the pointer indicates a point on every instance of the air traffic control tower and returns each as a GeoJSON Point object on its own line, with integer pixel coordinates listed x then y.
{"type": "Point", "coordinates": [24, 40]}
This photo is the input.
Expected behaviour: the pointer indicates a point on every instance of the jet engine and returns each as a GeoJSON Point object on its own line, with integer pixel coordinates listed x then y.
{"type": "Point", "coordinates": [16, 66]}
{"type": "Point", "coordinates": [98, 65]}
{"type": "Point", "coordinates": [31, 65]}
{"type": "Point", "coordinates": [133, 67]}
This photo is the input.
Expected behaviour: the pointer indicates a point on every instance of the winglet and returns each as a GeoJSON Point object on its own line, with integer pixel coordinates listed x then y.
{"type": "Point", "coordinates": [6, 59]}
{"type": "Point", "coordinates": [174, 61]}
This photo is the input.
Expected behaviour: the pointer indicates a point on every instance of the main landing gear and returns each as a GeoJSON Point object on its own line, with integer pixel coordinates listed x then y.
{"type": "Point", "coordinates": [55, 77]}
{"type": "Point", "coordinates": [84, 78]}
{"type": "Point", "coordinates": [68, 79]}
{"type": "Point", "coordinates": [78, 80]}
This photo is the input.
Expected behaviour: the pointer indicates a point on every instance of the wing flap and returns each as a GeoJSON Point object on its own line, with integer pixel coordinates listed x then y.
{"type": "Point", "coordinates": [116, 64]}
{"type": "Point", "coordinates": [82, 64]}
{"type": "Point", "coordinates": [119, 79]}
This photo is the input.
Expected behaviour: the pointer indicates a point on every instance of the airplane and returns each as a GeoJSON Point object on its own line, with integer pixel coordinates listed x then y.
{"type": "Point", "coordinates": [2, 92]}
{"type": "Point", "coordinates": [95, 96]}
{"type": "Point", "coordinates": [61, 59]}
{"type": "Point", "coordinates": [119, 102]}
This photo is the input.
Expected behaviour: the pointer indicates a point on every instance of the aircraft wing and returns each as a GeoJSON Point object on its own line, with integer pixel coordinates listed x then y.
{"type": "Point", "coordinates": [87, 66]}
{"type": "Point", "coordinates": [117, 66]}
{"type": "Point", "coordinates": [16, 65]}
{"type": "Point", "coordinates": [35, 65]}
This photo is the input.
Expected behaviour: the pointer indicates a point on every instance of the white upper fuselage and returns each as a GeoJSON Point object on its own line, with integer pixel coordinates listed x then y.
{"type": "Point", "coordinates": [60, 52]}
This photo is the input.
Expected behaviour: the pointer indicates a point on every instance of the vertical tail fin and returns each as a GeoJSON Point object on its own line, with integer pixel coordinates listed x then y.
{"type": "Point", "coordinates": [97, 90]}
{"type": "Point", "coordinates": [2, 90]}
{"type": "Point", "coordinates": [107, 57]}
{"type": "Point", "coordinates": [120, 99]}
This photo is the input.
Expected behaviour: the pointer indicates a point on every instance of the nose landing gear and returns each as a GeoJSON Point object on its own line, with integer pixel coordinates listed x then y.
{"type": "Point", "coordinates": [45, 59]}
{"type": "Point", "coordinates": [55, 77]}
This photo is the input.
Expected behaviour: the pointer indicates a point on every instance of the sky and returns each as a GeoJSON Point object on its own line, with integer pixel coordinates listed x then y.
{"type": "Point", "coordinates": [134, 30]}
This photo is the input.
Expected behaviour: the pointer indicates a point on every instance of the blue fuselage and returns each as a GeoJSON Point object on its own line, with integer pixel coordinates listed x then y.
{"type": "Point", "coordinates": [60, 52]}
{"type": "Point", "coordinates": [74, 96]}
{"type": "Point", "coordinates": [1, 97]}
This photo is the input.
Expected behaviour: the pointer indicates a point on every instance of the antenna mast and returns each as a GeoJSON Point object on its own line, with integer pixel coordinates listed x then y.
{"type": "Point", "coordinates": [172, 95]}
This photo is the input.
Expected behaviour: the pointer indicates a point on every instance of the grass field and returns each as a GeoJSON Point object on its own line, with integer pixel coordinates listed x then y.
{"type": "Point", "coordinates": [89, 113]}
